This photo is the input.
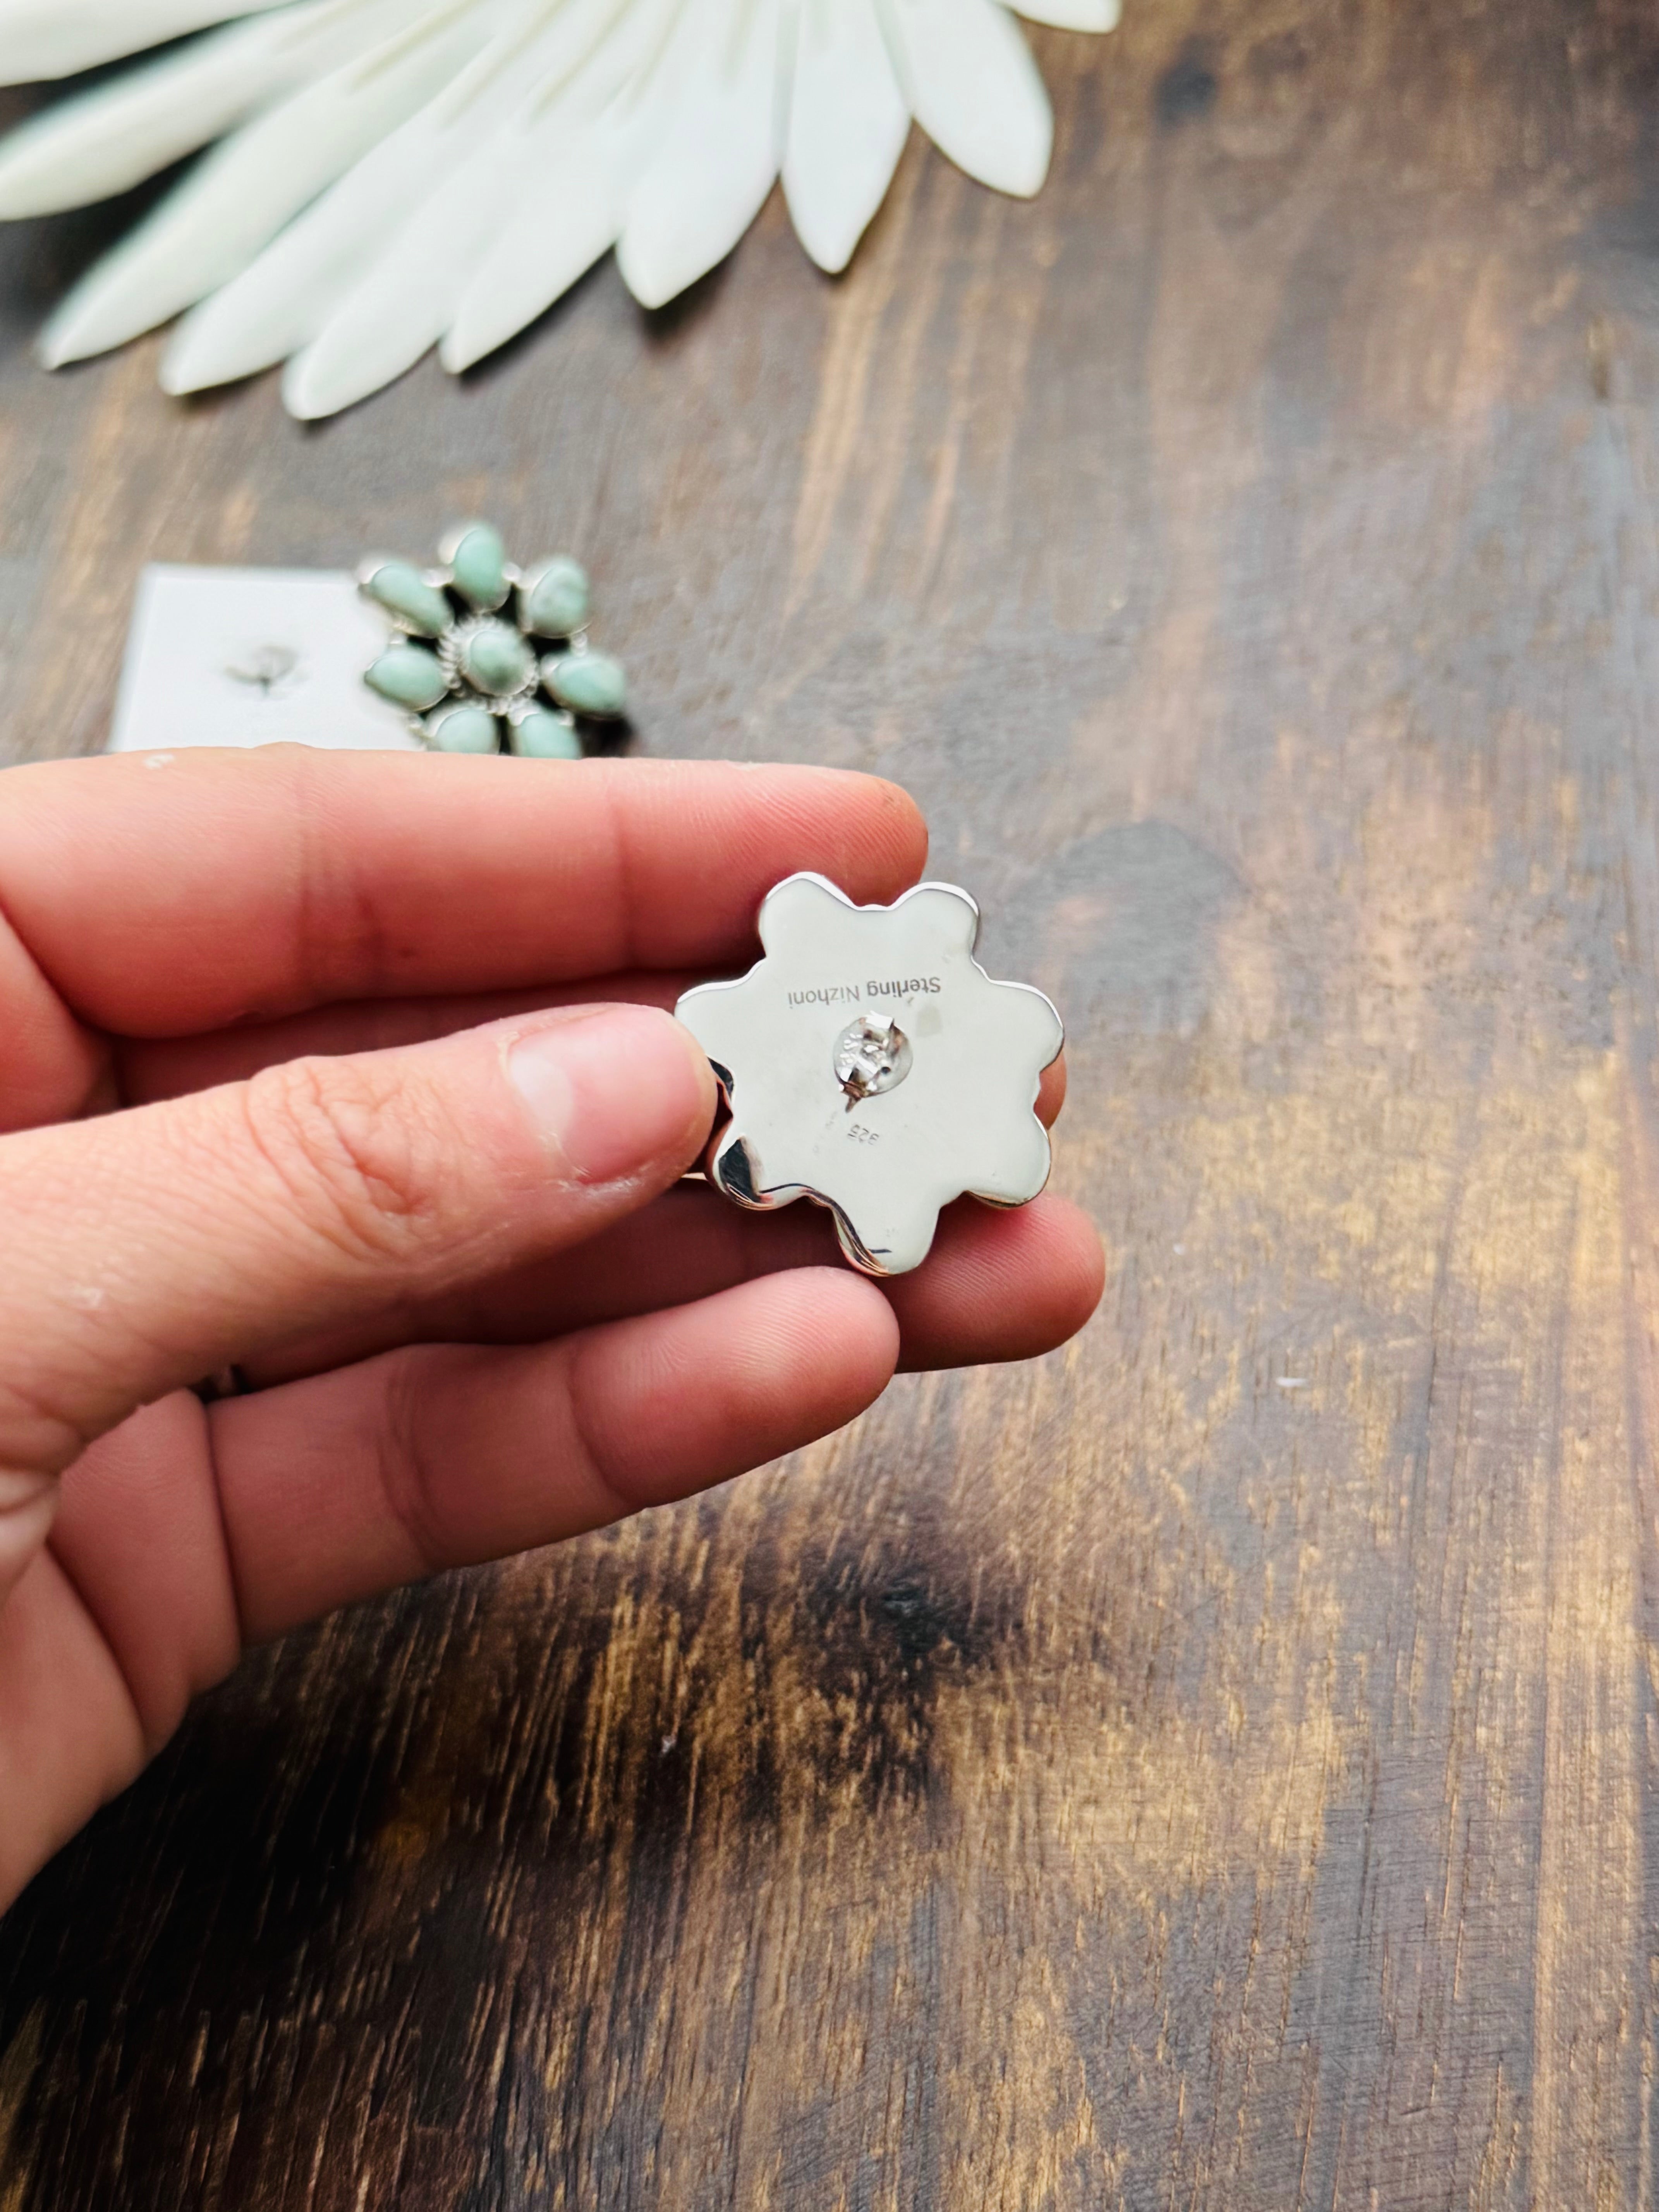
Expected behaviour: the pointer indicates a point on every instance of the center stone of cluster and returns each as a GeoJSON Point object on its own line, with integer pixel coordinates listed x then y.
{"type": "Point", "coordinates": [871, 1055]}
{"type": "Point", "coordinates": [495, 660]}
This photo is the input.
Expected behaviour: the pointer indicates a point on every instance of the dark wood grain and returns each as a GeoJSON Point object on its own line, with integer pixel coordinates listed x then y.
{"type": "Point", "coordinates": [1215, 1767]}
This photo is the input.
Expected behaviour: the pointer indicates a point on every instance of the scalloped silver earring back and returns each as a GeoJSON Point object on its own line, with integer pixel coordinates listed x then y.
{"type": "Point", "coordinates": [869, 1063]}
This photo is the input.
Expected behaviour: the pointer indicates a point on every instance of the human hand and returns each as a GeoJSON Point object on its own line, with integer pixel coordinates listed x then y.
{"type": "Point", "coordinates": [352, 1071]}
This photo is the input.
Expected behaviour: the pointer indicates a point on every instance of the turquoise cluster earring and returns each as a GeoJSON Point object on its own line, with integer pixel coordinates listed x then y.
{"type": "Point", "coordinates": [486, 657]}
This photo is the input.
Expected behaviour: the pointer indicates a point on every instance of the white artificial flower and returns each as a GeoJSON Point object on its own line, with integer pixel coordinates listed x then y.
{"type": "Point", "coordinates": [393, 175]}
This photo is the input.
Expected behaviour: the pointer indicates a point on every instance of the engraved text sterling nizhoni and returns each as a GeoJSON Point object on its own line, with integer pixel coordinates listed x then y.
{"type": "Point", "coordinates": [852, 994]}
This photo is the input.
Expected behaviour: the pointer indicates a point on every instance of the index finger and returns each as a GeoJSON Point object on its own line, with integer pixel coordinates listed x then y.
{"type": "Point", "coordinates": [168, 894]}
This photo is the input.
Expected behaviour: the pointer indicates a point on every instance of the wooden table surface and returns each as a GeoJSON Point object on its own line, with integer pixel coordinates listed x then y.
{"type": "Point", "coordinates": [1215, 1765]}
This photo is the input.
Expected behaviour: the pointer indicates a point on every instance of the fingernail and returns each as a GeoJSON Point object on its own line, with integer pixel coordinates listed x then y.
{"type": "Point", "coordinates": [614, 1092]}
{"type": "Point", "coordinates": [28, 1503]}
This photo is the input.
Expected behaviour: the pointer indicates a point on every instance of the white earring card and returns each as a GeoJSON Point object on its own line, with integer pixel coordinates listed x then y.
{"type": "Point", "coordinates": [252, 657]}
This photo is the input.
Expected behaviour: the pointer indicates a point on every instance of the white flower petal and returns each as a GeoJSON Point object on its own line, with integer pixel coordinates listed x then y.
{"type": "Point", "coordinates": [114, 136]}
{"type": "Point", "coordinates": [719, 159]}
{"type": "Point", "coordinates": [284, 297]}
{"type": "Point", "coordinates": [108, 139]}
{"type": "Point", "coordinates": [404, 299]}
{"type": "Point", "coordinates": [41, 38]}
{"type": "Point", "coordinates": [848, 126]}
{"type": "Point", "coordinates": [572, 212]}
{"type": "Point", "coordinates": [402, 303]}
{"type": "Point", "coordinates": [358, 215]}
{"type": "Point", "coordinates": [577, 178]}
{"type": "Point", "coordinates": [974, 89]}
{"type": "Point", "coordinates": [1071, 14]}
{"type": "Point", "coordinates": [239, 195]}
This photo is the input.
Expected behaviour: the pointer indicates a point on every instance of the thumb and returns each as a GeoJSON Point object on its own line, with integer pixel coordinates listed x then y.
{"type": "Point", "coordinates": [146, 1249]}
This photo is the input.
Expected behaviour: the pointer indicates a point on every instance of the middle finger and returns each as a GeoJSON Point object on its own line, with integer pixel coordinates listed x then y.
{"type": "Point", "coordinates": [999, 1284]}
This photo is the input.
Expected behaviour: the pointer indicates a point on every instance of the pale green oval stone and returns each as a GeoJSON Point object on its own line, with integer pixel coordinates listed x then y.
{"type": "Point", "coordinates": [409, 676]}
{"type": "Point", "coordinates": [541, 735]}
{"type": "Point", "coordinates": [465, 730]}
{"type": "Point", "coordinates": [479, 567]}
{"type": "Point", "coordinates": [496, 659]}
{"type": "Point", "coordinates": [587, 683]}
{"type": "Point", "coordinates": [404, 591]}
{"type": "Point", "coordinates": [555, 602]}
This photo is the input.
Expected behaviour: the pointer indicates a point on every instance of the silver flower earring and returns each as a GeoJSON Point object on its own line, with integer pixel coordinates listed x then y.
{"type": "Point", "coordinates": [485, 656]}
{"type": "Point", "coordinates": [870, 1064]}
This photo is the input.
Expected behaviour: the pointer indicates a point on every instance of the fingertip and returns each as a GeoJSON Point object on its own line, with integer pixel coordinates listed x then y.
{"type": "Point", "coordinates": [616, 1094]}
{"type": "Point", "coordinates": [734, 1379]}
{"type": "Point", "coordinates": [695, 1082]}
{"type": "Point", "coordinates": [1078, 1265]}
{"type": "Point", "coordinates": [1001, 1285]}
{"type": "Point", "coordinates": [1051, 1091]}
{"type": "Point", "coordinates": [871, 838]}
{"type": "Point", "coordinates": [813, 1347]}
{"type": "Point", "coordinates": [844, 1336]}
{"type": "Point", "coordinates": [906, 824]}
